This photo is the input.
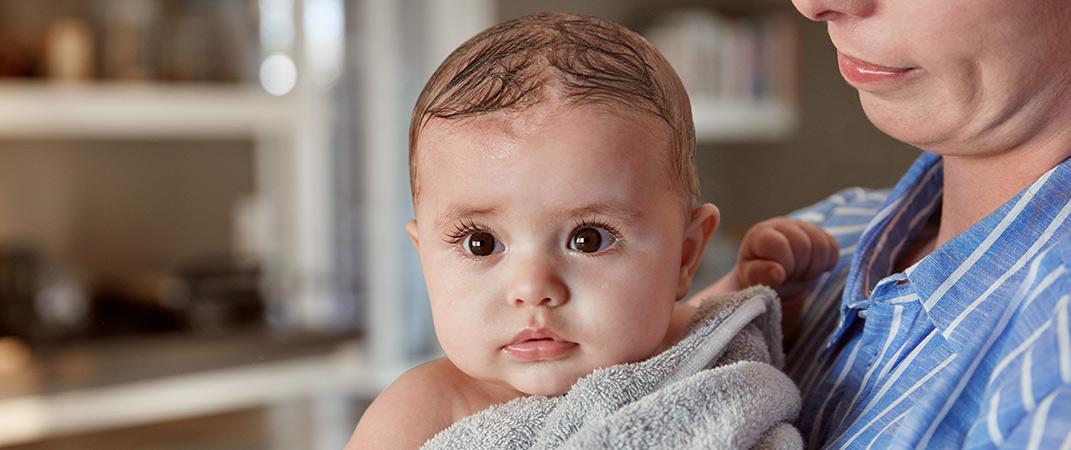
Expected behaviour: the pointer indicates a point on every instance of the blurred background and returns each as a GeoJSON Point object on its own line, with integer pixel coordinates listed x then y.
{"type": "Point", "coordinates": [202, 201]}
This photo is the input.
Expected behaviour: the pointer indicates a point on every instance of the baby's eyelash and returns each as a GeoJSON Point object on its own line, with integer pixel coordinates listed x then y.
{"type": "Point", "coordinates": [462, 229]}
{"type": "Point", "coordinates": [594, 222]}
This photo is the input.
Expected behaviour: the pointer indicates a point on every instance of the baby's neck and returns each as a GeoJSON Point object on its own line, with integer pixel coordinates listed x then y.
{"type": "Point", "coordinates": [486, 393]}
{"type": "Point", "coordinates": [678, 321]}
{"type": "Point", "coordinates": [469, 395]}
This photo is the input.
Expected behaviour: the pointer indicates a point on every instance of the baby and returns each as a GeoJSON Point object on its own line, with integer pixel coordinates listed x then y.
{"type": "Point", "coordinates": [557, 220]}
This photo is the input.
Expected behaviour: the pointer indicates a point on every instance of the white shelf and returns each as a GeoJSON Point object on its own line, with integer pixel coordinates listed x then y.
{"type": "Point", "coordinates": [28, 418]}
{"type": "Point", "coordinates": [138, 110]}
{"type": "Point", "coordinates": [742, 120]}
{"type": "Point", "coordinates": [147, 110]}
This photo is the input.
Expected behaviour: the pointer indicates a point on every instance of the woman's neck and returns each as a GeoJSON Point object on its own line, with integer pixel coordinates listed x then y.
{"type": "Point", "coordinates": [975, 186]}
{"type": "Point", "coordinates": [984, 172]}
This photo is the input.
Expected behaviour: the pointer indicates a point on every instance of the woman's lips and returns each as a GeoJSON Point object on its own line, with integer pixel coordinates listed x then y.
{"type": "Point", "coordinates": [865, 75]}
{"type": "Point", "coordinates": [538, 345]}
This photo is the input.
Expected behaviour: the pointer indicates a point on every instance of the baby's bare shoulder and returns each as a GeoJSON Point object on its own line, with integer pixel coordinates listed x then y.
{"type": "Point", "coordinates": [411, 410]}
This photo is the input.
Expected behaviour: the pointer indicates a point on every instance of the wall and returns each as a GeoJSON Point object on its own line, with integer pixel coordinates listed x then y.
{"type": "Point", "coordinates": [122, 205]}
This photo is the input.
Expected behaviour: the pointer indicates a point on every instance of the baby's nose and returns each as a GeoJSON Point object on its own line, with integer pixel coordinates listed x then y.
{"type": "Point", "coordinates": [537, 284]}
{"type": "Point", "coordinates": [550, 302]}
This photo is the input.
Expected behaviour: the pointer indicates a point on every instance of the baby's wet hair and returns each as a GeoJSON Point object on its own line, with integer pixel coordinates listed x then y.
{"type": "Point", "coordinates": [577, 60]}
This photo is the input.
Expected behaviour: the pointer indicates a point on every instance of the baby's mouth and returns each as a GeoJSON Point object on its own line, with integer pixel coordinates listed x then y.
{"type": "Point", "coordinates": [538, 344]}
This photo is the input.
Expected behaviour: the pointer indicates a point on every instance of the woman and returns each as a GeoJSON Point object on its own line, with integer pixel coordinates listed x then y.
{"type": "Point", "coordinates": [945, 323]}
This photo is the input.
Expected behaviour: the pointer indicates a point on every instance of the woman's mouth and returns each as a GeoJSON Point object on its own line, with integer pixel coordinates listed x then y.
{"type": "Point", "coordinates": [868, 76]}
{"type": "Point", "coordinates": [538, 344]}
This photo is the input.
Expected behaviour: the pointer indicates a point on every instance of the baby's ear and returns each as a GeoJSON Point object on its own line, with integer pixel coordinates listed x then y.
{"type": "Point", "coordinates": [697, 234]}
{"type": "Point", "coordinates": [411, 230]}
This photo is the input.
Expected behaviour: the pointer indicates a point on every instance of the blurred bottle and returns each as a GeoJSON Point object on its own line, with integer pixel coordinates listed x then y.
{"type": "Point", "coordinates": [14, 355]}
{"type": "Point", "coordinates": [69, 50]}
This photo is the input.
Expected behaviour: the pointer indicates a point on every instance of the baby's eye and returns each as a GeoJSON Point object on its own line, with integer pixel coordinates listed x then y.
{"type": "Point", "coordinates": [482, 243]}
{"type": "Point", "coordinates": [591, 239]}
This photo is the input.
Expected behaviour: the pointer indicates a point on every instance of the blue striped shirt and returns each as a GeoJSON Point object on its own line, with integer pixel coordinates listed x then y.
{"type": "Point", "coordinates": [968, 348]}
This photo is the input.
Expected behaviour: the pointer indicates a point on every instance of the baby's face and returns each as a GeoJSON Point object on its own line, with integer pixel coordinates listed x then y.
{"type": "Point", "coordinates": [551, 242]}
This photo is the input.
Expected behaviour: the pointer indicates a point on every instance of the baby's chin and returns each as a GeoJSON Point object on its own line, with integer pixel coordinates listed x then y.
{"type": "Point", "coordinates": [554, 378]}
{"type": "Point", "coordinates": [549, 389]}
{"type": "Point", "coordinates": [534, 383]}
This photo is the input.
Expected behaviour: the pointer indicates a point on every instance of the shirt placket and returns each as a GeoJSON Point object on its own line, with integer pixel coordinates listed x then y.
{"type": "Point", "coordinates": [871, 314]}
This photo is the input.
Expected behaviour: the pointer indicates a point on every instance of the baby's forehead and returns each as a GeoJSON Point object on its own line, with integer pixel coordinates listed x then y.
{"type": "Point", "coordinates": [542, 119]}
{"type": "Point", "coordinates": [539, 143]}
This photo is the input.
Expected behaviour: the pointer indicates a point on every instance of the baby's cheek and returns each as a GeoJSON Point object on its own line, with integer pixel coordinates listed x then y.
{"type": "Point", "coordinates": [468, 352]}
{"type": "Point", "coordinates": [626, 327]}
{"type": "Point", "coordinates": [459, 338]}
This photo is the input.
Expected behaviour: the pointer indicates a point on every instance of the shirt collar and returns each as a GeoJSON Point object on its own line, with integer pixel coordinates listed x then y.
{"type": "Point", "coordinates": [968, 271]}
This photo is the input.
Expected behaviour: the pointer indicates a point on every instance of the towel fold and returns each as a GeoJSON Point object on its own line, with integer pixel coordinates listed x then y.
{"type": "Point", "coordinates": [719, 387]}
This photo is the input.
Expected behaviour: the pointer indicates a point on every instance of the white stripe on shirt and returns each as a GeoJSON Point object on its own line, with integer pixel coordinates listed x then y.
{"type": "Point", "coordinates": [1045, 283]}
{"type": "Point", "coordinates": [846, 229]}
{"type": "Point", "coordinates": [1026, 381]}
{"type": "Point", "coordinates": [992, 423]}
{"type": "Point", "coordinates": [1037, 427]}
{"type": "Point", "coordinates": [811, 216]}
{"type": "Point", "coordinates": [854, 211]}
{"type": "Point", "coordinates": [909, 298]}
{"type": "Point", "coordinates": [1063, 340]}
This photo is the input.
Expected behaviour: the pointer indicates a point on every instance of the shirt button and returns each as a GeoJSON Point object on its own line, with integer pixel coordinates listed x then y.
{"type": "Point", "coordinates": [861, 313]}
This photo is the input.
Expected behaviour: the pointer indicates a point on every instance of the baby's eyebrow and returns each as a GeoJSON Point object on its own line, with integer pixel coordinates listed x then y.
{"type": "Point", "coordinates": [618, 211]}
{"type": "Point", "coordinates": [614, 210]}
{"type": "Point", "coordinates": [453, 214]}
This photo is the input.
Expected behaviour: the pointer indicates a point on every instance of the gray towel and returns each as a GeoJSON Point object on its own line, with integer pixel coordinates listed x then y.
{"type": "Point", "coordinates": [719, 387]}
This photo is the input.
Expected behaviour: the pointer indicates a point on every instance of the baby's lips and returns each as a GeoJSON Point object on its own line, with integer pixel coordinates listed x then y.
{"type": "Point", "coordinates": [538, 344]}
{"type": "Point", "coordinates": [539, 350]}
{"type": "Point", "coordinates": [532, 334]}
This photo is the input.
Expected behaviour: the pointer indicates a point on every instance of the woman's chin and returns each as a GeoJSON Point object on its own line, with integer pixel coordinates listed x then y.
{"type": "Point", "coordinates": [911, 126]}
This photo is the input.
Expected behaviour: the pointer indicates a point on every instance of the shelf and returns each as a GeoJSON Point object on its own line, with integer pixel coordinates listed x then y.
{"type": "Point", "coordinates": [733, 120]}
{"type": "Point", "coordinates": [115, 385]}
{"type": "Point", "coordinates": [137, 110]}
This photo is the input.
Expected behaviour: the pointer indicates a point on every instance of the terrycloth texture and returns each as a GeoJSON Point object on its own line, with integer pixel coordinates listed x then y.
{"type": "Point", "coordinates": [718, 388]}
